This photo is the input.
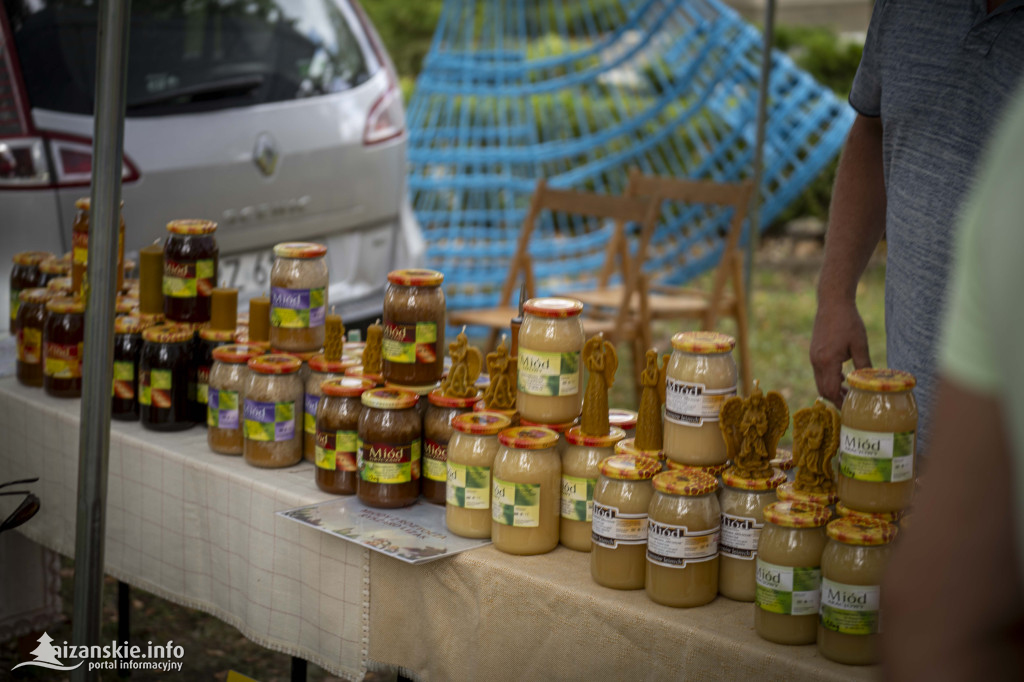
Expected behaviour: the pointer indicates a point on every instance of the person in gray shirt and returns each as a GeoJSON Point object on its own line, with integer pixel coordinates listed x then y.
{"type": "Point", "coordinates": [930, 88]}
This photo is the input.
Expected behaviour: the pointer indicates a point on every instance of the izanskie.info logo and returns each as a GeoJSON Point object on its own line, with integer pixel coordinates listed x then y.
{"type": "Point", "coordinates": [162, 657]}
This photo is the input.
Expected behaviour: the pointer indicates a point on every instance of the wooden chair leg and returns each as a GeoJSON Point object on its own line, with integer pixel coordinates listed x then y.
{"type": "Point", "coordinates": [742, 328]}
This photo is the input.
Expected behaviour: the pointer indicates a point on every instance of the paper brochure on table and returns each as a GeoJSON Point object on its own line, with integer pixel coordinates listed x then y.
{"type": "Point", "coordinates": [415, 534]}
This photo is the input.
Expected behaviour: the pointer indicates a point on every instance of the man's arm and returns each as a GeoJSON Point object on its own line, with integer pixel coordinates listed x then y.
{"type": "Point", "coordinates": [856, 224]}
{"type": "Point", "coordinates": [952, 597]}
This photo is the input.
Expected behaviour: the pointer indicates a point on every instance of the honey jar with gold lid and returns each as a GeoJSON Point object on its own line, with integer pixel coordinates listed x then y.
{"type": "Point", "coordinates": [619, 528]}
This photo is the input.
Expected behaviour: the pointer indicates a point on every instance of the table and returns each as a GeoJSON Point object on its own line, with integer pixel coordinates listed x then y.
{"type": "Point", "coordinates": [198, 529]}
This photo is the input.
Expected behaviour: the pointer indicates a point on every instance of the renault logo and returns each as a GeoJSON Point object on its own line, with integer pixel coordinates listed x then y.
{"type": "Point", "coordinates": [265, 154]}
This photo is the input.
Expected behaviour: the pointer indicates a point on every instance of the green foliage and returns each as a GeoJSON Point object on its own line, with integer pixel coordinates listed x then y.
{"type": "Point", "coordinates": [406, 27]}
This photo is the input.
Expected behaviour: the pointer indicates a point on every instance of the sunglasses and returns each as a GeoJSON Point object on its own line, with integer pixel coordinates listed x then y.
{"type": "Point", "coordinates": [26, 510]}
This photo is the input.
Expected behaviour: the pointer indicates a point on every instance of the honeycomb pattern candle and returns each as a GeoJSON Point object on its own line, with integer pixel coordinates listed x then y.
{"type": "Point", "coordinates": [334, 337]}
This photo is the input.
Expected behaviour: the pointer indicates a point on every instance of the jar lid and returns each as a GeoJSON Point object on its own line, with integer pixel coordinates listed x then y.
{"type": "Point", "coordinates": [357, 371]}
{"type": "Point", "coordinates": [481, 407]}
{"type": "Point", "coordinates": [889, 516]}
{"type": "Point", "coordinates": [275, 363]}
{"type": "Point", "coordinates": [629, 468]}
{"type": "Point", "coordinates": [36, 295]}
{"type": "Point", "coordinates": [690, 482]}
{"type": "Point", "coordinates": [151, 318]}
{"type": "Point", "coordinates": [528, 438]}
{"type": "Point", "coordinates": [557, 428]}
{"type": "Point", "coordinates": [783, 459]}
{"type": "Point", "coordinates": [576, 436]}
{"type": "Point", "coordinates": [59, 284]}
{"type": "Point", "coordinates": [416, 277]}
{"type": "Point", "coordinates": [624, 419]}
{"type": "Point", "coordinates": [705, 343]}
{"type": "Point", "coordinates": [320, 363]}
{"type": "Point", "coordinates": [787, 492]}
{"type": "Point", "coordinates": [436, 398]}
{"type": "Point", "coordinates": [237, 353]}
{"type": "Point", "coordinates": [553, 307]}
{"type": "Point", "coordinates": [53, 266]}
{"type": "Point", "coordinates": [418, 390]}
{"type": "Point", "coordinates": [65, 304]}
{"type": "Point", "coordinates": [31, 258]}
{"type": "Point", "coordinates": [714, 469]}
{"type": "Point", "coordinates": [390, 398]}
{"type": "Point", "coordinates": [346, 387]}
{"type": "Point", "coordinates": [129, 324]}
{"type": "Point", "coordinates": [797, 514]}
{"type": "Point", "coordinates": [82, 203]}
{"type": "Point", "coordinates": [301, 357]}
{"type": "Point", "coordinates": [628, 447]}
{"type": "Point", "coordinates": [881, 380]}
{"type": "Point", "coordinates": [207, 334]}
{"type": "Point", "coordinates": [191, 226]}
{"type": "Point", "coordinates": [126, 304]}
{"type": "Point", "coordinates": [481, 423]}
{"type": "Point", "coordinates": [861, 531]}
{"type": "Point", "coordinates": [167, 333]}
{"type": "Point", "coordinates": [734, 480]}
{"type": "Point", "coordinates": [299, 250]}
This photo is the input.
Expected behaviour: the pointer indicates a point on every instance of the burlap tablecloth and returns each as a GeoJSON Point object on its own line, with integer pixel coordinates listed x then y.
{"type": "Point", "coordinates": [198, 529]}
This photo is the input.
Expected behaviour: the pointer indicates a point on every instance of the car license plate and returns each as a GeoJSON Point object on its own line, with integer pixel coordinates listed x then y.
{"type": "Point", "coordinates": [247, 272]}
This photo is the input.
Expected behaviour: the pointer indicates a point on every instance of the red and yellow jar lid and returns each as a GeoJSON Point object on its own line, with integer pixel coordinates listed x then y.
{"type": "Point", "coordinates": [129, 324]}
{"type": "Point", "coordinates": [275, 363]}
{"type": "Point", "coordinates": [168, 333]}
{"type": "Point", "coordinates": [481, 423]}
{"type": "Point", "coordinates": [437, 398]}
{"type": "Point", "coordinates": [557, 428]}
{"type": "Point", "coordinates": [575, 436]}
{"type": "Point", "coordinates": [217, 335]}
{"type": "Point", "coordinates": [191, 226]}
{"type": "Point", "coordinates": [797, 514]}
{"type": "Point", "coordinates": [553, 307]}
{"type": "Point", "coordinates": [31, 258]}
{"type": "Point", "coordinates": [54, 266]}
{"type": "Point", "coordinates": [629, 468]}
{"type": "Point", "coordinates": [787, 492]}
{"type": "Point", "coordinates": [783, 459]}
{"type": "Point", "coordinates": [346, 387]}
{"type": "Point", "coordinates": [890, 516]}
{"type": "Point", "coordinates": [861, 531]}
{"type": "Point", "coordinates": [703, 343]}
{"type": "Point", "coordinates": [126, 304]}
{"type": "Point", "coordinates": [713, 469]}
{"type": "Point", "coordinates": [357, 371]}
{"type": "Point", "coordinates": [416, 277]}
{"type": "Point", "coordinates": [36, 295]}
{"type": "Point", "coordinates": [299, 250]}
{"type": "Point", "coordinates": [421, 391]}
{"type": "Point", "coordinates": [66, 305]}
{"type": "Point", "coordinates": [734, 480]}
{"type": "Point", "coordinates": [237, 353]}
{"type": "Point", "coordinates": [628, 447]}
{"type": "Point", "coordinates": [881, 380]}
{"type": "Point", "coordinates": [689, 482]}
{"type": "Point", "coordinates": [320, 363]}
{"type": "Point", "coordinates": [59, 284]}
{"type": "Point", "coordinates": [624, 419]}
{"type": "Point", "coordinates": [390, 398]}
{"type": "Point", "coordinates": [528, 438]}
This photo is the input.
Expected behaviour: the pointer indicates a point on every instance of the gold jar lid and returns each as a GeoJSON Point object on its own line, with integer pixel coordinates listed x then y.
{"type": "Point", "coordinates": [861, 531]}
{"type": "Point", "coordinates": [416, 277]}
{"type": "Point", "coordinates": [624, 419]}
{"type": "Point", "coordinates": [129, 324]}
{"type": "Point", "coordinates": [191, 226]}
{"type": "Point", "coordinates": [59, 284]}
{"type": "Point", "coordinates": [575, 436]}
{"type": "Point", "coordinates": [797, 514]}
{"type": "Point", "coordinates": [437, 398]}
{"type": "Point", "coordinates": [889, 516]}
{"type": "Point", "coordinates": [553, 307]}
{"type": "Point", "coordinates": [704, 343]}
{"type": "Point", "coordinates": [237, 353]}
{"type": "Point", "coordinates": [628, 447]}
{"type": "Point", "coordinates": [66, 304]}
{"type": "Point", "coordinates": [168, 333]}
{"type": "Point", "coordinates": [275, 363]}
{"type": "Point", "coordinates": [689, 482]}
{"type": "Point", "coordinates": [207, 334]}
{"type": "Point", "coordinates": [713, 469]}
{"type": "Point", "coordinates": [299, 250]}
{"type": "Point", "coordinates": [53, 266]}
{"type": "Point", "coordinates": [481, 423]}
{"type": "Point", "coordinates": [346, 387]}
{"type": "Point", "coordinates": [528, 438]}
{"type": "Point", "coordinates": [31, 258]}
{"type": "Point", "coordinates": [734, 480]}
{"type": "Point", "coordinates": [787, 492]}
{"type": "Point", "coordinates": [629, 468]}
{"type": "Point", "coordinates": [881, 380]}
{"type": "Point", "coordinates": [36, 295]}
{"type": "Point", "coordinates": [390, 398]}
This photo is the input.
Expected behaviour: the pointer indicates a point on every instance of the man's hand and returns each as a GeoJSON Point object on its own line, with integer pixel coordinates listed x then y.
{"type": "Point", "coordinates": [839, 335]}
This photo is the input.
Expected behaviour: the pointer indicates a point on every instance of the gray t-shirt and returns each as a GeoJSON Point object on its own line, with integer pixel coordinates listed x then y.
{"type": "Point", "coordinates": [938, 72]}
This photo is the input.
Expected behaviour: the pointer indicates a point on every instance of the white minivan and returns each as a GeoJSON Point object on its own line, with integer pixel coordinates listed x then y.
{"type": "Point", "coordinates": [279, 119]}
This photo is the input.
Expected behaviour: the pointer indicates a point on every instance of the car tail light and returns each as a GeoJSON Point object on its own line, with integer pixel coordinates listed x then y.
{"type": "Point", "coordinates": [387, 118]}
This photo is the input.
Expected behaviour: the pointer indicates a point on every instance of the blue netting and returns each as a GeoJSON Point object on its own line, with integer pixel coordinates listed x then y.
{"type": "Point", "coordinates": [579, 91]}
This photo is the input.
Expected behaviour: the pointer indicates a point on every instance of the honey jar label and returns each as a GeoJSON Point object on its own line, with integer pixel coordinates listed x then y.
{"type": "Point", "coordinates": [876, 456]}
{"type": "Point", "coordinates": [203, 385]}
{"type": "Point", "coordinates": [124, 380]}
{"type": "Point", "coordinates": [189, 279]}
{"type": "Point", "coordinates": [297, 308]}
{"type": "Point", "coordinates": [336, 450]}
{"type": "Point", "coordinates": [222, 409]}
{"type": "Point", "coordinates": [155, 388]}
{"type": "Point", "coordinates": [548, 373]}
{"type": "Point", "coordinates": [676, 546]}
{"type": "Point", "coordinates": [80, 247]}
{"type": "Point", "coordinates": [387, 463]}
{"type": "Point", "coordinates": [269, 422]}
{"type": "Point", "coordinates": [578, 498]}
{"type": "Point", "coordinates": [788, 590]}
{"type": "Point", "coordinates": [309, 413]}
{"type": "Point", "coordinates": [468, 487]}
{"type": "Point", "coordinates": [515, 504]}
{"type": "Point", "coordinates": [435, 458]}
{"type": "Point", "coordinates": [30, 345]}
{"type": "Point", "coordinates": [692, 404]}
{"type": "Point", "coordinates": [62, 361]}
{"type": "Point", "coordinates": [409, 343]}
{"type": "Point", "coordinates": [739, 536]}
{"type": "Point", "coordinates": [850, 609]}
{"type": "Point", "coordinates": [612, 528]}
{"type": "Point", "coordinates": [15, 304]}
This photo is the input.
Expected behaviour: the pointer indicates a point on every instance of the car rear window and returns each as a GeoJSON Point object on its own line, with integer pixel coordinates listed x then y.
{"type": "Point", "coordinates": [191, 55]}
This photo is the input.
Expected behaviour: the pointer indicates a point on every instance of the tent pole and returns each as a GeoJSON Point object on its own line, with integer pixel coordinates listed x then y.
{"type": "Point", "coordinates": [754, 235]}
{"type": "Point", "coordinates": [94, 436]}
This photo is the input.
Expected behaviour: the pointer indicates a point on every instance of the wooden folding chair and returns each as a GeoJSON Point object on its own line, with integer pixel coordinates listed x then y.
{"type": "Point", "coordinates": [668, 302]}
{"type": "Point", "coordinates": [619, 321]}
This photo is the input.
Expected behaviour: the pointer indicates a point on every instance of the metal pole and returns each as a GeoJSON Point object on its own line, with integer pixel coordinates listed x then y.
{"type": "Point", "coordinates": [94, 435]}
{"type": "Point", "coordinates": [754, 235]}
